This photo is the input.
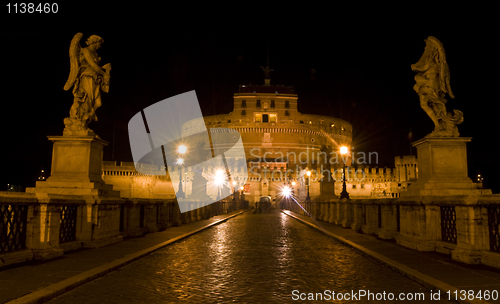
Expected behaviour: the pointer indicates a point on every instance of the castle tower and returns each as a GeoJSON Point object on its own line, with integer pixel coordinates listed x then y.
{"type": "Point", "coordinates": [406, 168]}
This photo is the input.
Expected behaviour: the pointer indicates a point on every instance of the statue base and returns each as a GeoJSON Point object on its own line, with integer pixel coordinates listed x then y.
{"type": "Point", "coordinates": [326, 190]}
{"type": "Point", "coordinates": [75, 127]}
{"type": "Point", "coordinates": [442, 168]}
{"type": "Point", "coordinates": [76, 168]}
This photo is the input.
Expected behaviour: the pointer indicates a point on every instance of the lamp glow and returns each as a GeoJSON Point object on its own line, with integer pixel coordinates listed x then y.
{"type": "Point", "coordinates": [343, 150]}
{"type": "Point", "coordinates": [286, 191]}
{"type": "Point", "coordinates": [219, 177]}
{"type": "Point", "coordinates": [182, 149]}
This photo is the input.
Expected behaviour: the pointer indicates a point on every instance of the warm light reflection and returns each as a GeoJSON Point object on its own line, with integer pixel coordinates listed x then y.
{"type": "Point", "coordinates": [218, 183]}
{"type": "Point", "coordinates": [343, 150]}
{"type": "Point", "coordinates": [182, 149]}
{"type": "Point", "coordinates": [219, 177]}
{"type": "Point", "coordinates": [180, 161]}
{"type": "Point", "coordinates": [286, 191]}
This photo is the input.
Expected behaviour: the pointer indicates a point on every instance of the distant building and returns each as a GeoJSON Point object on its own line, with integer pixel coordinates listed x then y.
{"type": "Point", "coordinates": [281, 145]}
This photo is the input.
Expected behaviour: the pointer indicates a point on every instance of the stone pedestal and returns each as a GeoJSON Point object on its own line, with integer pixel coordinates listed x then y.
{"type": "Point", "coordinates": [326, 190]}
{"type": "Point", "coordinates": [442, 168]}
{"type": "Point", "coordinates": [76, 168]}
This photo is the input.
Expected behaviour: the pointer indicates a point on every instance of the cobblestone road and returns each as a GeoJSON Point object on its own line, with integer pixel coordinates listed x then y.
{"type": "Point", "coordinates": [252, 258]}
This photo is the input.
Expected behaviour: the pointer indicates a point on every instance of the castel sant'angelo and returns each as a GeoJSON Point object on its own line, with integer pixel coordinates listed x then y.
{"type": "Point", "coordinates": [282, 147]}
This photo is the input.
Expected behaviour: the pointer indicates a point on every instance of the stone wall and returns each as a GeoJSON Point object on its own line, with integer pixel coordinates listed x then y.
{"type": "Point", "coordinates": [45, 226]}
{"type": "Point", "coordinates": [465, 227]}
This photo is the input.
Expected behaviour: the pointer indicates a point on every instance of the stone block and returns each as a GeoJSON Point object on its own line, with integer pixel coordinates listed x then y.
{"type": "Point", "coordinates": [442, 168]}
{"type": "Point", "coordinates": [76, 168]}
{"type": "Point", "coordinates": [47, 254]}
{"type": "Point", "coordinates": [14, 257]}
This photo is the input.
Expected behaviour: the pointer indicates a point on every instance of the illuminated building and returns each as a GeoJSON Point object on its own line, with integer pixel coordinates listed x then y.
{"type": "Point", "coordinates": [281, 145]}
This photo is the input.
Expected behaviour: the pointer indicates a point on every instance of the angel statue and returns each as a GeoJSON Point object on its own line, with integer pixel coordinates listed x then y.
{"type": "Point", "coordinates": [88, 79]}
{"type": "Point", "coordinates": [432, 85]}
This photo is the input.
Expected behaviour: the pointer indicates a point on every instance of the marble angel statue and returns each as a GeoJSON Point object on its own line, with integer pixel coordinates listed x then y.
{"type": "Point", "coordinates": [432, 85]}
{"type": "Point", "coordinates": [88, 79]}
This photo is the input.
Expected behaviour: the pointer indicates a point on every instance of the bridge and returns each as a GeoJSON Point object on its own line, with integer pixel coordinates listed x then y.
{"type": "Point", "coordinates": [223, 253]}
{"type": "Point", "coordinates": [75, 239]}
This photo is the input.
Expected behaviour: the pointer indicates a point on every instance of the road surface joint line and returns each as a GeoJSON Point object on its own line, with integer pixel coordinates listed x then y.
{"type": "Point", "coordinates": [66, 285]}
{"type": "Point", "coordinates": [409, 272]}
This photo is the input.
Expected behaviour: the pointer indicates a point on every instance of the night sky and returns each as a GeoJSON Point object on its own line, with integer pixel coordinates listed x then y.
{"type": "Point", "coordinates": [343, 66]}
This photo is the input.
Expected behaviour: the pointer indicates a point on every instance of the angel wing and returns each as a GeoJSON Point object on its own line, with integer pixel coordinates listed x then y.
{"type": "Point", "coordinates": [74, 52]}
{"type": "Point", "coordinates": [442, 66]}
{"type": "Point", "coordinates": [444, 75]}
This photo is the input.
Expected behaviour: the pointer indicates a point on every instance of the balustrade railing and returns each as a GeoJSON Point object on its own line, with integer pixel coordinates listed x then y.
{"type": "Point", "coordinates": [67, 230]}
{"type": "Point", "coordinates": [468, 231]}
{"type": "Point", "coordinates": [449, 224]}
{"type": "Point", "coordinates": [13, 222]}
{"type": "Point", "coordinates": [494, 227]}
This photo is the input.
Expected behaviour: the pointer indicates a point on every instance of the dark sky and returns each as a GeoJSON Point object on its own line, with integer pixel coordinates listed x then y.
{"type": "Point", "coordinates": [349, 67]}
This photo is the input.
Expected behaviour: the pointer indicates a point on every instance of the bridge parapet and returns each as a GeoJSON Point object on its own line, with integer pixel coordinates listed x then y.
{"type": "Point", "coordinates": [465, 227]}
{"type": "Point", "coordinates": [43, 226]}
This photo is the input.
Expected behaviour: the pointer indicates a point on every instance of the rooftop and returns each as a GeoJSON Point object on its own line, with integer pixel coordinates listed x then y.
{"type": "Point", "coordinates": [277, 89]}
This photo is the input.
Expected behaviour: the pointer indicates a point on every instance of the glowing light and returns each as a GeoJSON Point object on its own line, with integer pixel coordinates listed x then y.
{"type": "Point", "coordinates": [308, 173]}
{"type": "Point", "coordinates": [219, 177]}
{"type": "Point", "coordinates": [180, 161]}
{"type": "Point", "coordinates": [293, 184]}
{"type": "Point", "coordinates": [286, 192]}
{"type": "Point", "coordinates": [234, 183]}
{"type": "Point", "coordinates": [343, 150]}
{"type": "Point", "coordinates": [182, 149]}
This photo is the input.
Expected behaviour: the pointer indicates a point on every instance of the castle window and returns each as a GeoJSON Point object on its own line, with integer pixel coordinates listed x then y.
{"type": "Point", "coordinates": [287, 113]}
{"type": "Point", "coordinates": [258, 103]}
{"type": "Point", "coordinates": [265, 118]}
{"type": "Point", "coordinates": [258, 117]}
{"type": "Point", "coordinates": [273, 104]}
{"type": "Point", "coordinates": [272, 117]}
{"type": "Point", "coordinates": [229, 121]}
{"type": "Point", "coordinates": [287, 104]}
{"type": "Point", "coordinates": [243, 103]}
{"type": "Point", "coordinates": [302, 122]}
{"type": "Point", "coordinates": [243, 112]}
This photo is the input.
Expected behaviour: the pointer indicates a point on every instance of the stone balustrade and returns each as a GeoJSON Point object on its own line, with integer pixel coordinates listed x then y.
{"type": "Point", "coordinates": [45, 226]}
{"type": "Point", "coordinates": [465, 227]}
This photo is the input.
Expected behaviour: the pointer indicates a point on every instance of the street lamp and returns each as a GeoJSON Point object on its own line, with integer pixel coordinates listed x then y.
{"type": "Point", "coordinates": [182, 149]}
{"type": "Point", "coordinates": [308, 173]}
{"type": "Point", "coordinates": [344, 150]}
{"type": "Point", "coordinates": [234, 190]}
{"type": "Point", "coordinates": [219, 182]}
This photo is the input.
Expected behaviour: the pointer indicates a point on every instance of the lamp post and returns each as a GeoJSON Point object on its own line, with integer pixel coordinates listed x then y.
{"type": "Point", "coordinates": [219, 182]}
{"type": "Point", "coordinates": [234, 190]}
{"type": "Point", "coordinates": [344, 150]}
{"type": "Point", "coordinates": [308, 173]}
{"type": "Point", "coordinates": [180, 161]}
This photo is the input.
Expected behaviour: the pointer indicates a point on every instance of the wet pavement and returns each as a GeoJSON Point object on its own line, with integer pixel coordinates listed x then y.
{"type": "Point", "coordinates": [253, 258]}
